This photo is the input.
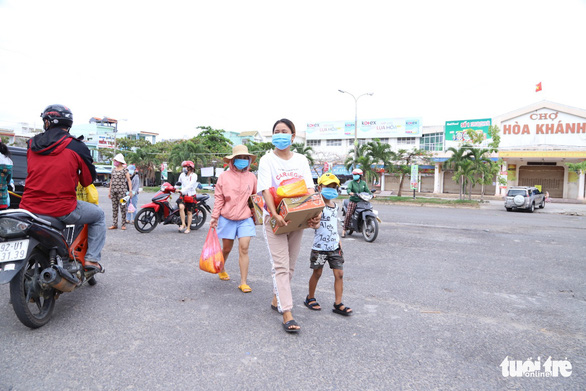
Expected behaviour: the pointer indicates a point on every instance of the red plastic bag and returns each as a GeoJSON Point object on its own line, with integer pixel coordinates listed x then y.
{"type": "Point", "coordinates": [211, 259]}
{"type": "Point", "coordinates": [276, 198]}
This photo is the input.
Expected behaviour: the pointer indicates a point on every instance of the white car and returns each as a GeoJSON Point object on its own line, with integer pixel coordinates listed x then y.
{"type": "Point", "coordinates": [344, 188]}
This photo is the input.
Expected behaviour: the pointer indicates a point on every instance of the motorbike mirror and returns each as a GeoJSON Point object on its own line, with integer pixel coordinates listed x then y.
{"type": "Point", "coordinates": [372, 190]}
{"type": "Point", "coordinates": [178, 184]}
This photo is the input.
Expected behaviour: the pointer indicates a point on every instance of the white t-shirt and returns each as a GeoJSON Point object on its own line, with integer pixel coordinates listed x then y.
{"type": "Point", "coordinates": [188, 184]}
{"type": "Point", "coordinates": [326, 236]}
{"type": "Point", "coordinates": [272, 170]}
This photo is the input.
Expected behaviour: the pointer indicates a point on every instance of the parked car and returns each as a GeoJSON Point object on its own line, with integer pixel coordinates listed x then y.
{"type": "Point", "coordinates": [524, 197]}
{"type": "Point", "coordinates": [344, 188]}
{"type": "Point", "coordinates": [18, 156]}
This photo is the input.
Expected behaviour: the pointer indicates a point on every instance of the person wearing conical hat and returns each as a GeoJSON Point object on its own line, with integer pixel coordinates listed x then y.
{"type": "Point", "coordinates": [231, 215]}
{"type": "Point", "coordinates": [120, 186]}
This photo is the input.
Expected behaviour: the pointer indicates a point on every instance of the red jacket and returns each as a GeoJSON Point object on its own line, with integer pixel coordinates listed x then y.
{"type": "Point", "coordinates": [56, 162]}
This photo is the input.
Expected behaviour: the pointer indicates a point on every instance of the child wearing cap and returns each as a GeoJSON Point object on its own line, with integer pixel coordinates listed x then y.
{"type": "Point", "coordinates": [327, 247]}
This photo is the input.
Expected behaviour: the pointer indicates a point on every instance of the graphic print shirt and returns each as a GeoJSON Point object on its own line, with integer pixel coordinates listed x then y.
{"type": "Point", "coordinates": [326, 236]}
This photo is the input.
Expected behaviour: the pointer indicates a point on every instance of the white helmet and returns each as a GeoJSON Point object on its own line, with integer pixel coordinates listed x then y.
{"type": "Point", "coordinates": [357, 171]}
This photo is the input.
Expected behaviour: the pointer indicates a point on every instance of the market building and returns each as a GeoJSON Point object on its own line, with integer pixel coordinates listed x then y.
{"type": "Point", "coordinates": [536, 143]}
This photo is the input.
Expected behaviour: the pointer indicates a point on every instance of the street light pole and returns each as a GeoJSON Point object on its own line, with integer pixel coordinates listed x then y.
{"type": "Point", "coordinates": [356, 119]}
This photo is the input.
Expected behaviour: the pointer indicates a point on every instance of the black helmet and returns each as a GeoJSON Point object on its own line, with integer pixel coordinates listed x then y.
{"type": "Point", "coordinates": [58, 115]}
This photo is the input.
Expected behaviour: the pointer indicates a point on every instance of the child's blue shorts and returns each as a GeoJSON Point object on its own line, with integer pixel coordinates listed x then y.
{"type": "Point", "coordinates": [230, 229]}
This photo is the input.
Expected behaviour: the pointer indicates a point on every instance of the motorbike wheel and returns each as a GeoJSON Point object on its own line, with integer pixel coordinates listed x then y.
{"type": "Point", "coordinates": [370, 229]}
{"type": "Point", "coordinates": [199, 218]}
{"type": "Point", "coordinates": [32, 304]}
{"type": "Point", "coordinates": [146, 220]}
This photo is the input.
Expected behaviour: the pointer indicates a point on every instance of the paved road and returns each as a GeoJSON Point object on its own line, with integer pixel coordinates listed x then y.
{"type": "Point", "coordinates": [440, 298]}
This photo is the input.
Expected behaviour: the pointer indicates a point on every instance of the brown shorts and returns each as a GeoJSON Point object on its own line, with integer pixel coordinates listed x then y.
{"type": "Point", "coordinates": [335, 258]}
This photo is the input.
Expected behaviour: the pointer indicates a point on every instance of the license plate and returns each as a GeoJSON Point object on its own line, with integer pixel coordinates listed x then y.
{"type": "Point", "coordinates": [13, 251]}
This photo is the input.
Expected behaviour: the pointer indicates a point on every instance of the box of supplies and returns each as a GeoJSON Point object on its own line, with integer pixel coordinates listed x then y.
{"type": "Point", "coordinates": [296, 211]}
{"type": "Point", "coordinates": [256, 204]}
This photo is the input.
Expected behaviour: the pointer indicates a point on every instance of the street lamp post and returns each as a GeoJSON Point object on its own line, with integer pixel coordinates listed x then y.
{"type": "Point", "coordinates": [356, 119]}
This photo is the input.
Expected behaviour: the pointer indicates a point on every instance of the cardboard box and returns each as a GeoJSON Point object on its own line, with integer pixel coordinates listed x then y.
{"type": "Point", "coordinates": [297, 211]}
{"type": "Point", "coordinates": [256, 204]}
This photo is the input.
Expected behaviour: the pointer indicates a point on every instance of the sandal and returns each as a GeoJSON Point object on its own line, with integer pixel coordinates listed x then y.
{"type": "Point", "coordinates": [288, 326]}
{"type": "Point", "coordinates": [346, 311]}
{"type": "Point", "coordinates": [187, 231]}
{"type": "Point", "coordinates": [311, 303]}
{"type": "Point", "coordinates": [113, 227]}
{"type": "Point", "coordinates": [344, 233]}
{"type": "Point", "coordinates": [182, 229]}
{"type": "Point", "coordinates": [274, 307]}
{"type": "Point", "coordinates": [123, 228]}
{"type": "Point", "coordinates": [224, 276]}
{"type": "Point", "coordinates": [245, 288]}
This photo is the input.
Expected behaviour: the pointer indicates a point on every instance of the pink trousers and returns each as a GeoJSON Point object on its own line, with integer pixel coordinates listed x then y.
{"type": "Point", "coordinates": [283, 253]}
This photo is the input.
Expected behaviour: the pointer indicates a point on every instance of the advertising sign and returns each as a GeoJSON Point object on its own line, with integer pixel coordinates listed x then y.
{"type": "Point", "coordinates": [375, 128]}
{"type": "Point", "coordinates": [414, 176]}
{"type": "Point", "coordinates": [456, 131]}
{"type": "Point", "coordinates": [544, 127]}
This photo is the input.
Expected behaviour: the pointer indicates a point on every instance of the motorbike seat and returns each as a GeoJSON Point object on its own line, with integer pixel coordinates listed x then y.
{"type": "Point", "coordinates": [201, 197]}
{"type": "Point", "coordinates": [55, 222]}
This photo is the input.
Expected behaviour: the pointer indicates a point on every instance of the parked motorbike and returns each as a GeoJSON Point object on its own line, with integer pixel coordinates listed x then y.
{"type": "Point", "coordinates": [159, 210]}
{"type": "Point", "coordinates": [365, 218]}
{"type": "Point", "coordinates": [41, 258]}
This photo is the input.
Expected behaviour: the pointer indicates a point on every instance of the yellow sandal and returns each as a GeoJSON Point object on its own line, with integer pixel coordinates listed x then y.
{"type": "Point", "coordinates": [224, 276]}
{"type": "Point", "coordinates": [245, 288]}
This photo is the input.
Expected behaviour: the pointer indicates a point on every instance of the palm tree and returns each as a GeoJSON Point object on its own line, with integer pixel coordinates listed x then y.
{"type": "Point", "coordinates": [187, 150]}
{"type": "Point", "coordinates": [481, 166]}
{"type": "Point", "coordinates": [455, 162]}
{"type": "Point", "coordinates": [379, 152]}
{"type": "Point", "coordinates": [354, 161]}
{"type": "Point", "coordinates": [403, 160]}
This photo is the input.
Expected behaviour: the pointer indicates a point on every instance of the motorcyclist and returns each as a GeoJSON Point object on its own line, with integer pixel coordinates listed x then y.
{"type": "Point", "coordinates": [188, 179]}
{"type": "Point", "coordinates": [56, 162]}
{"type": "Point", "coordinates": [356, 186]}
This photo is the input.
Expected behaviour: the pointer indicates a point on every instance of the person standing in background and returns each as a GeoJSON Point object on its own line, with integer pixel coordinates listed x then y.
{"type": "Point", "coordinates": [135, 181]}
{"type": "Point", "coordinates": [120, 185]}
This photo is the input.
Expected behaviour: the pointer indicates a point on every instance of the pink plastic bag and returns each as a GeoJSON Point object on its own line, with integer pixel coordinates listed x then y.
{"type": "Point", "coordinates": [211, 259]}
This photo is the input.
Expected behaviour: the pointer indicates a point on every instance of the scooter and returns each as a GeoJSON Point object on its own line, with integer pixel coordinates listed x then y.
{"type": "Point", "coordinates": [41, 258]}
{"type": "Point", "coordinates": [365, 219]}
{"type": "Point", "coordinates": [159, 210]}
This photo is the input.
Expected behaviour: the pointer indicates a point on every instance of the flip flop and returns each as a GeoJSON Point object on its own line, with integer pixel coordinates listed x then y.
{"type": "Point", "coordinates": [274, 307]}
{"type": "Point", "coordinates": [290, 323]}
{"type": "Point", "coordinates": [245, 288]}
{"type": "Point", "coordinates": [123, 228]}
{"type": "Point", "coordinates": [224, 276]}
{"type": "Point", "coordinates": [187, 231]}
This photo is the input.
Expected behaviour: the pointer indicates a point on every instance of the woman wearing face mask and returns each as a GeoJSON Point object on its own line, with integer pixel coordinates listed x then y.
{"type": "Point", "coordinates": [135, 180]}
{"type": "Point", "coordinates": [231, 214]}
{"type": "Point", "coordinates": [120, 185]}
{"type": "Point", "coordinates": [356, 186]}
{"type": "Point", "coordinates": [186, 201]}
{"type": "Point", "coordinates": [273, 168]}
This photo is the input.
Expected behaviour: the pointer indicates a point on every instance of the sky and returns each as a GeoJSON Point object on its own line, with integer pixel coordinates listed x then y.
{"type": "Point", "coordinates": [170, 66]}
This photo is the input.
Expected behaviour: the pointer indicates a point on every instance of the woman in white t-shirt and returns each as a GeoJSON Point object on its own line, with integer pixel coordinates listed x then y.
{"type": "Point", "coordinates": [274, 168]}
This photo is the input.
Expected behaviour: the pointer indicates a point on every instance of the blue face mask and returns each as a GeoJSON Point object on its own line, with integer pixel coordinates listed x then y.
{"type": "Point", "coordinates": [241, 163]}
{"type": "Point", "coordinates": [329, 193]}
{"type": "Point", "coordinates": [282, 140]}
{"type": "Point", "coordinates": [356, 177]}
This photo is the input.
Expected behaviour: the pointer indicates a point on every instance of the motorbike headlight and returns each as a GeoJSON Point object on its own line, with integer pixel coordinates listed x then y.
{"type": "Point", "coordinates": [10, 228]}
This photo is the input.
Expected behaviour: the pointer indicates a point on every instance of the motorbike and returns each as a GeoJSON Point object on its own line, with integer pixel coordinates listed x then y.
{"type": "Point", "coordinates": [365, 219]}
{"type": "Point", "coordinates": [41, 258]}
{"type": "Point", "coordinates": [159, 210]}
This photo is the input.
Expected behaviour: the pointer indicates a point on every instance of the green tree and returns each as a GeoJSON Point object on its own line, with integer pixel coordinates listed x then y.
{"type": "Point", "coordinates": [455, 162]}
{"type": "Point", "coordinates": [187, 150]}
{"type": "Point", "coordinates": [401, 161]}
{"type": "Point", "coordinates": [380, 153]}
